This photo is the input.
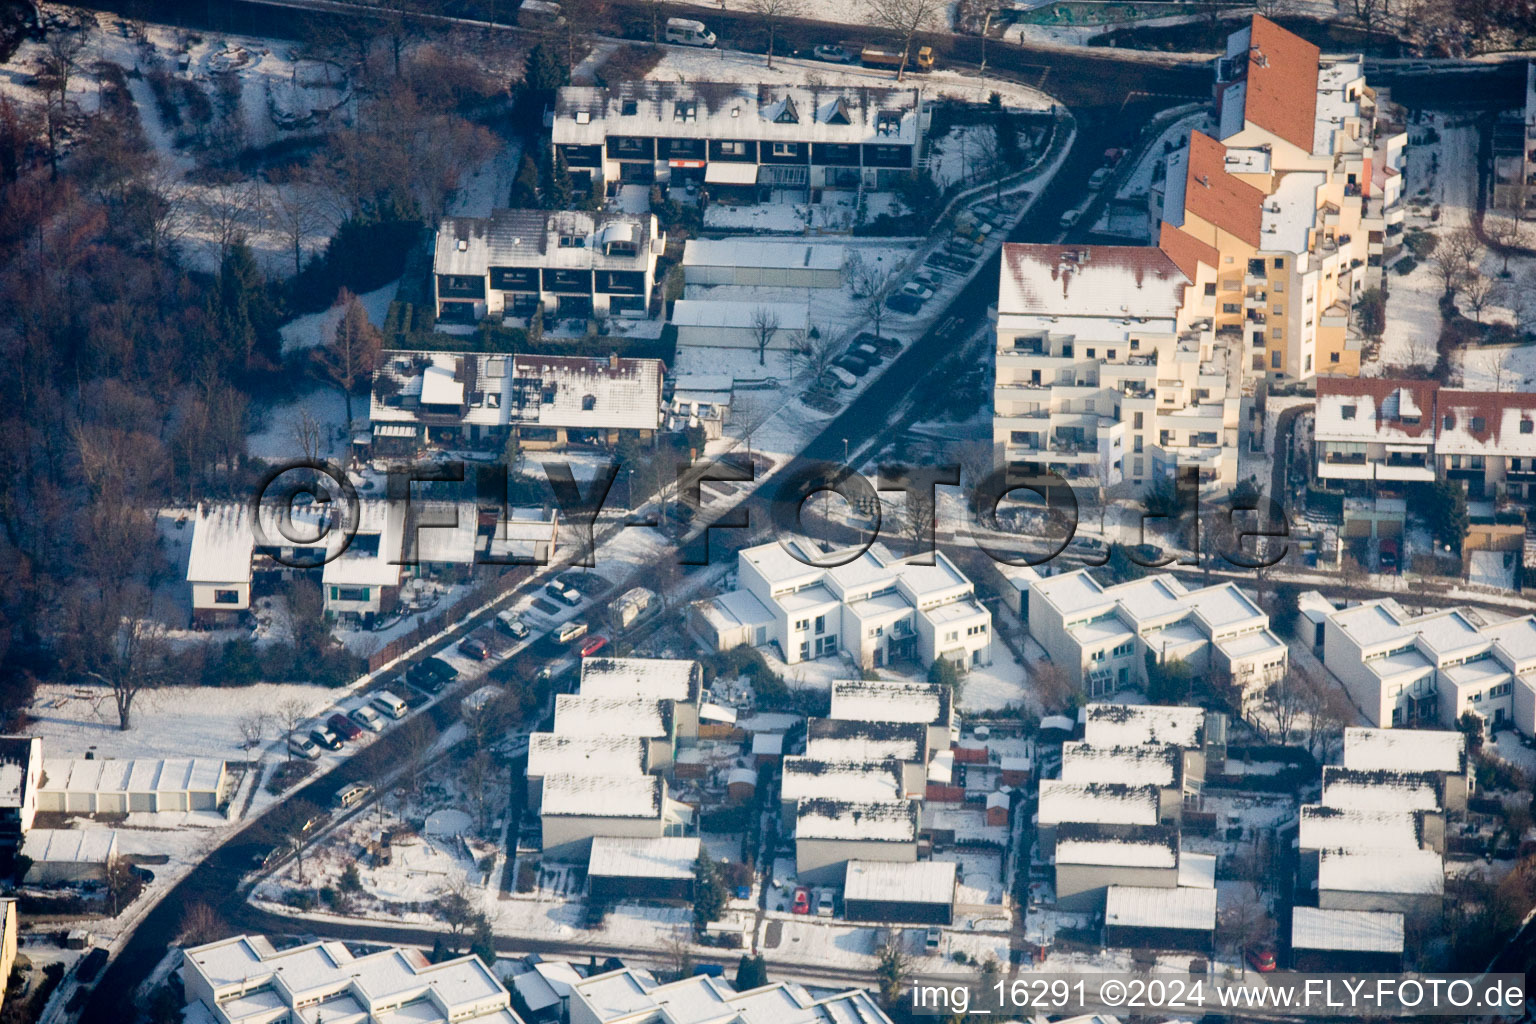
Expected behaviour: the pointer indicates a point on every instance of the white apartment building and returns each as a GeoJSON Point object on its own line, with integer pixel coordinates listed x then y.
{"type": "Point", "coordinates": [1102, 636]}
{"type": "Point", "coordinates": [567, 263]}
{"type": "Point", "coordinates": [1430, 669]}
{"type": "Point", "coordinates": [1104, 373]}
{"type": "Point", "coordinates": [1377, 431]}
{"type": "Point", "coordinates": [738, 140]}
{"type": "Point", "coordinates": [245, 980]}
{"type": "Point", "coordinates": [1513, 185]}
{"type": "Point", "coordinates": [876, 608]}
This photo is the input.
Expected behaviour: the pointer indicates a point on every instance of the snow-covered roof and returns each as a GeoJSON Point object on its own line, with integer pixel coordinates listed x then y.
{"type": "Point", "coordinates": [759, 253]}
{"type": "Point", "coordinates": [579, 714]}
{"type": "Point", "coordinates": [1346, 931]}
{"type": "Point", "coordinates": [373, 556]}
{"type": "Point", "coordinates": [1397, 871]}
{"type": "Point", "coordinates": [1114, 281]}
{"type": "Point", "coordinates": [888, 821]}
{"type": "Point", "coordinates": [1146, 847]}
{"type": "Point", "coordinates": [1357, 828]}
{"type": "Point", "coordinates": [1136, 906]}
{"type": "Point", "coordinates": [134, 775]}
{"type": "Point", "coordinates": [886, 700]}
{"type": "Point", "coordinates": [558, 239]}
{"type": "Point", "coordinates": [441, 533]}
{"type": "Point", "coordinates": [629, 994]}
{"type": "Point", "coordinates": [70, 845]}
{"type": "Point", "coordinates": [1142, 765]}
{"type": "Point", "coordinates": [330, 983]}
{"type": "Point", "coordinates": [586, 115]}
{"type": "Point", "coordinates": [601, 796]}
{"type": "Point", "coordinates": [832, 739]}
{"type": "Point", "coordinates": [1104, 803]}
{"type": "Point", "coordinates": [785, 316]}
{"type": "Point", "coordinates": [1124, 725]}
{"type": "Point", "coordinates": [549, 753]}
{"type": "Point", "coordinates": [501, 390]}
{"type": "Point", "coordinates": [16, 765]}
{"type": "Point", "coordinates": [1405, 750]}
{"type": "Point", "coordinates": [808, 778]}
{"type": "Point", "coordinates": [222, 543]}
{"type": "Point", "coordinates": [674, 679]}
{"type": "Point", "coordinates": [924, 881]}
{"type": "Point", "coordinates": [1379, 790]}
{"type": "Point", "coordinates": [627, 857]}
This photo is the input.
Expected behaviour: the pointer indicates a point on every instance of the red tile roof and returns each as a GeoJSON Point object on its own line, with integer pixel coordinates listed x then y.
{"type": "Point", "coordinates": [1213, 195]}
{"type": "Point", "coordinates": [1282, 83]}
{"type": "Point", "coordinates": [1186, 251]}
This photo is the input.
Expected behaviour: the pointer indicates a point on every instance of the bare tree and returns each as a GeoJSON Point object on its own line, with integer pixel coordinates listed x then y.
{"type": "Point", "coordinates": [1285, 699]}
{"type": "Point", "coordinates": [1454, 255]}
{"type": "Point", "coordinates": [307, 435]}
{"type": "Point", "coordinates": [292, 825]}
{"type": "Point", "coordinates": [59, 63]}
{"type": "Point", "coordinates": [877, 286]}
{"type": "Point", "coordinates": [1052, 687]}
{"type": "Point", "coordinates": [295, 213]}
{"type": "Point", "coordinates": [253, 729]}
{"type": "Point", "coordinates": [230, 210]}
{"type": "Point", "coordinates": [816, 353]}
{"type": "Point", "coordinates": [354, 351]}
{"type": "Point", "coordinates": [1245, 923]}
{"type": "Point", "coordinates": [1480, 291]}
{"type": "Point", "coordinates": [1420, 351]}
{"type": "Point", "coordinates": [906, 18]}
{"type": "Point", "coordinates": [1367, 12]}
{"type": "Point", "coordinates": [290, 715]}
{"type": "Point", "coordinates": [132, 659]}
{"type": "Point", "coordinates": [200, 924]}
{"type": "Point", "coordinates": [770, 13]}
{"type": "Point", "coordinates": [1496, 363]}
{"type": "Point", "coordinates": [765, 324]}
{"type": "Point", "coordinates": [1508, 235]}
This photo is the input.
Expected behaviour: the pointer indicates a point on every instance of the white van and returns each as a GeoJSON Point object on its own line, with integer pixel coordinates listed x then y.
{"type": "Point", "coordinates": [843, 377]}
{"type": "Point", "coordinates": [388, 703]}
{"type": "Point", "coordinates": [687, 32]}
{"type": "Point", "coordinates": [353, 795]}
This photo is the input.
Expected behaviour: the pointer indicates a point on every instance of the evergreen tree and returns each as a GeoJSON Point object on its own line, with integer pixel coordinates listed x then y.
{"type": "Point", "coordinates": [751, 973]}
{"type": "Point", "coordinates": [943, 672]}
{"type": "Point", "coordinates": [708, 891]}
{"type": "Point", "coordinates": [483, 944]}
{"type": "Point", "coordinates": [545, 70]}
{"type": "Point", "coordinates": [560, 190]}
{"type": "Point", "coordinates": [525, 189]}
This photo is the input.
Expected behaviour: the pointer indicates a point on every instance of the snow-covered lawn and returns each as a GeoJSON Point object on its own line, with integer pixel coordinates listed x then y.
{"type": "Point", "coordinates": [961, 153]}
{"type": "Point", "coordinates": [313, 329]}
{"type": "Point", "coordinates": [275, 437]}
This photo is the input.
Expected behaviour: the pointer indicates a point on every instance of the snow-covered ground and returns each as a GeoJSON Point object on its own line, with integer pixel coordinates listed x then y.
{"type": "Point", "coordinates": [314, 329]}
{"type": "Point", "coordinates": [961, 153]}
{"type": "Point", "coordinates": [277, 426]}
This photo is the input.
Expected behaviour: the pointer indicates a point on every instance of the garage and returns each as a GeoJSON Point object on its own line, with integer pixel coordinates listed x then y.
{"type": "Point", "coordinates": [891, 892]}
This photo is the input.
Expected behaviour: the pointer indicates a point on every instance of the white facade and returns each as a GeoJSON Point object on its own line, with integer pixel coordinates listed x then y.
{"type": "Point", "coordinates": [61, 856]}
{"type": "Point", "coordinates": [629, 996]}
{"type": "Point", "coordinates": [21, 775]}
{"type": "Point", "coordinates": [1101, 636]}
{"type": "Point", "coordinates": [1430, 669]}
{"type": "Point", "coordinates": [876, 608]}
{"type": "Point", "coordinates": [132, 785]}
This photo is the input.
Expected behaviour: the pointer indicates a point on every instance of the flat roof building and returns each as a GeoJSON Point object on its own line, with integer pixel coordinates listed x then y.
{"type": "Point", "coordinates": [910, 893]}
{"type": "Point", "coordinates": [642, 868]}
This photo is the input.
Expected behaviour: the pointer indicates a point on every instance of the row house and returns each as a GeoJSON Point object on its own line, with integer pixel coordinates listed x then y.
{"type": "Point", "coordinates": [1406, 670]}
{"type": "Point", "coordinates": [1103, 637]}
{"type": "Point", "coordinates": [875, 608]}
{"type": "Point", "coordinates": [1513, 184]}
{"type": "Point", "coordinates": [741, 140]}
{"type": "Point", "coordinates": [1375, 433]}
{"type": "Point", "coordinates": [565, 263]}
{"type": "Point", "coordinates": [1292, 204]}
{"type": "Point", "coordinates": [475, 400]}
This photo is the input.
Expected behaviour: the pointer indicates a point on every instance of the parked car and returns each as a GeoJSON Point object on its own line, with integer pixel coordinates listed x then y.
{"type": "Point", "coordinates": [901, 302]}
{"type": "Point", "coordinates": [560, 592]}
{"type": "Point", "coordinates": [958, 264]}
{"type": "Point", "coordinates": [569, 632]}
{"type": "Point", "coordinates": [324, 737]}
{"type": "Point", "coordinates": [593, 645]}
{"type": "Point", "coordinates": [802, 904]}
{"type": "Point", "coordinates": [1145, 554]}
{"type": "Point", "coordinates": [687, 32]}
{"type": "Point", "coordinates": [963, 247]}
{"type": "Point", "coordinates": [422, 677]}
{"type": "Point", "coordinates": [933, 939]}
{"type": "Point", "coordinates": [917, 290]}
{"type": "Point", "coordinates": [868, 353]}
{"type": "Point", "coordinates": [1099, 178]}
{"type": "Point", "coordinates": [386, 703]}
{"type": "Point", "coordinates": [853, 365]}
{"type": "Point", "coordinates": [824, 906]}
{"type": "Point", "coordinates": [1090, 547]}
{"type": "Point", "coordinates": [303, 746]}
{"type": "Point", "coordinates": [343, 726]}
{"type": "Point", "coordinates": [843, 377]}
{"type": "Point", "coordinates": [441, 669]}
{"type": "Point", "coordinates": [511, 625]}
{"type": "Point", "coordinates": [367, 718]}
{"type": "Point", "coordinates": [1388, 557]}
{"type": "Point", "coordinates": [472, 647]}
{"type": "Point", "coordinates": [352, 795]}
{"type": "Point", "coordinates": [1069, 219]}
{"type": "Point", "coordinates": [1262, 960]}
{"type": "Point", "coordinates": [833, 53]}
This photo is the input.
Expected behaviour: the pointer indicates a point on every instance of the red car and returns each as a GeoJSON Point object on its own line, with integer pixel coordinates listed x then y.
{"type": "Point", "coordinates": [593, 645]}
{"type": "Point", "coordinates": [1261, 960]}
{"type": "Point", "coordinates": [802, 902]}
{"type": "Point", "coordinates": [344, 727]}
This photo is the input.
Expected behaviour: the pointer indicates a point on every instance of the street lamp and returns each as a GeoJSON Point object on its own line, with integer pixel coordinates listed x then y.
{"type": "Point", "coordinates": [845, 451]}
{"type": "Point", "coordinates": [631, 489]}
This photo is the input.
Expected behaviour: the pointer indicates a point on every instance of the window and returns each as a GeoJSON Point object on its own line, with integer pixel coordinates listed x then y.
{"type": "Point", "coordinates": [877, 631]}
{"type": "Point", "coordinates": [1479, 424]}
{"type": "Point", "coordinates": [1333, 357]}
{"type": "Point", "coordinates": [950, 638]}
{"type": "Point", "coordinates": [1276, 333]}
{"type": "Point", "coordinates": [684, 110]}
{"type": "Point", "coordinates": [1256, 268]}
{"type": "Point", "coordinates": [821, 623]}
{"type": "Point", "coordinates": [630, 108]}
{"type": "Point", "coordinates": [226, 597]}
{"type": "Point", "coordinates": [1136, 444]}
{"type": "Point", "coordinates": [1448, 423]}
{"type": "Point", "coordinates": [1092, 353]}
{"type": "Point", "coordinates": [1278, 285]}
{"type": "Point", "coordinates": [1210, 289]}
{"type": "Point", "coordinates": [1231, 307]}
{"type": "Point", "coordinates": [1136, 421]}
{"type": "Point", "coordinates": [1347, 412]}
{"type": "Point", "coordinates": [733, 149]}
{"type": "Point", "coordinates": [588, 403]}
{"type": "Point", "coordinates": [1526, 426]}
{"type": "Point", "coordinates": [789, 114]}
{"type": "Point", "coordinates": [1279, 263]}
{"type": "Point", "coordinates": [785, 148]}
{"type": "Point", "coordinates": [1274, 360]}
{"type": "Point", "coordinates": [1111, 353]}
{"type": "Point", "coordinates": [802, 625]}
{"type": "Point", "coordinates": [805, 649]}
{"type": "Point", "coordinates": [976, 630]}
